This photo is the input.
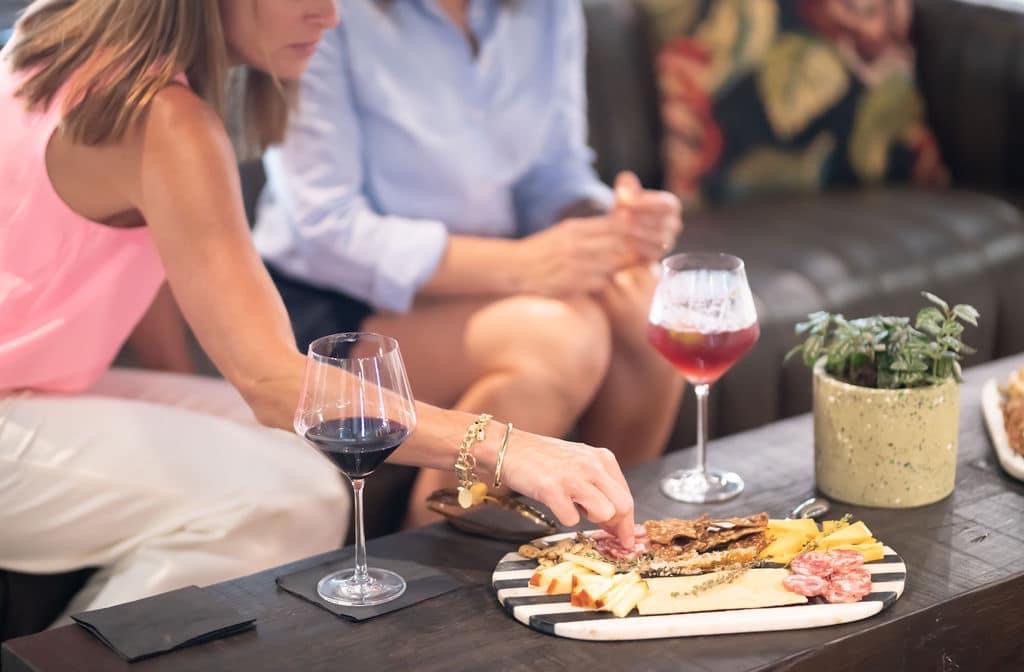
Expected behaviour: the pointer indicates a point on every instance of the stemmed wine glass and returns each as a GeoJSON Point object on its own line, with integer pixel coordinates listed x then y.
{"type": "Point", "coordinates": [703, 321]}
{"type": "Point", "coordinates": [356, 408]}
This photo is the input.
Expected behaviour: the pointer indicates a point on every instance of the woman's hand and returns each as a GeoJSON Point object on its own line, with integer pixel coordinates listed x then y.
{"type": "Point", "coordinates": [571, 478]}
{"type": "Point", "coordinates": [575, 256]}
{"type": "Point", "coordinates": [653, 219]}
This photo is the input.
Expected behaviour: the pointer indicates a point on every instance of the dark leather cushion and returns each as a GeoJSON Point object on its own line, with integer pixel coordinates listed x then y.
{"type": "Point", "coordinates": [625, 130]}
{"type": "Point", "coordinates": [971, 69]}
{"type": "Point", "coordinates": [859, 253]}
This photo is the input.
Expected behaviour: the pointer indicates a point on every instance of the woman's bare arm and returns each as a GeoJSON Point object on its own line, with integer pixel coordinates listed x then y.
{"type": "Point", "coordinates": [187, 188]}
{"type": "Point", "coordinates": [160, 340]}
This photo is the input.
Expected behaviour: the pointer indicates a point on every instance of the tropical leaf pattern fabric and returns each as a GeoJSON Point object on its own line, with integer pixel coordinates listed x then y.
{"type": "Point", "coordinates": [761, 97]}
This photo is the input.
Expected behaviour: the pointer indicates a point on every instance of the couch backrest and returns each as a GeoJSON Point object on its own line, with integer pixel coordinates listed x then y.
{"type": "Point", "coordinates": [625, 127]}
{"type": "Point", "coordinates": [970, 63]}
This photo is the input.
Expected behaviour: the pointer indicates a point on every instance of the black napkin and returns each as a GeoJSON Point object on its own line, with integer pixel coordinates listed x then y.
{"type": "Point", "coordinates": [164, 622]}
{"type": "Point", "coordinates": [422, 583]}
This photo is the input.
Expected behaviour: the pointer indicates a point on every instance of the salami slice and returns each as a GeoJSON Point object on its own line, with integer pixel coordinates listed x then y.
{"type": "Point", "coordinates": [856, 579]}
{"type": "Point", "coordinates": [843, 559]}
{"type": "Point", "coordinates": [611, 549]}
{"type": "Point", "coordinates": [807, 585]}
{"type": "Point", "coordinates": [849, 585]}
{"type": "Point", "coordinates": [835, 595]}
{"type": "Point", "coordinates": [814, 563]}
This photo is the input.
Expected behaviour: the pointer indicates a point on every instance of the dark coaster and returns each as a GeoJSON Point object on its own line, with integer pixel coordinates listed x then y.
{"type": "Point", "coordinates": [423, 583]}
{"type": "Point", "coordinates": [164, 622]}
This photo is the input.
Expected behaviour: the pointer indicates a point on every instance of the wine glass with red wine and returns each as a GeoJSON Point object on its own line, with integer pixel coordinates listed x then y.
{"type": "Point", "coordinates": [703, 321]}
{"type": "Point", "coordinates": [356, 408]}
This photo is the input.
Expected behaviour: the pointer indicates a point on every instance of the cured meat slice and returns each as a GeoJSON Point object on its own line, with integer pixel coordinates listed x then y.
{"type": "Point", "coordinates": [612, 549]}
{"type": "Point", "coordinates": [857, 579]}
{"type": "Point", "coordinates": [807, 585]}
{"type": "Point", "coordinates": [813, 563]}
{"type": "Point", "coordinates": [849, 585]}
{"type": "Point", "coordinates": [845, 559]}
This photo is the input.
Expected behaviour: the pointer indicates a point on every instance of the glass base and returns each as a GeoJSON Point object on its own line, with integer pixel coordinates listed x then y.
{"type": "Point", "coordinates": [700, 487]}
{"type": "Point", "coordinates": [382, 586]}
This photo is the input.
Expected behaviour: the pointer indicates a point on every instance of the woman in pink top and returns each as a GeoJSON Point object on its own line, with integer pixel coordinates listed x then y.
{"type": "Point", "coordinates": [116, 171]}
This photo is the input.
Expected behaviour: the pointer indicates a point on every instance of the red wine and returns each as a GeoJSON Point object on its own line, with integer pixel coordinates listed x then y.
{"type": "Point", "coordinates": [703, 358]}
{"type": "Point", "coordinates": [357, 445]}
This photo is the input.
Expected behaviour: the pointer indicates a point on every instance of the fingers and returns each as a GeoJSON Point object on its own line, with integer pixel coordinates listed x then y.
{"type": "Point", "coordinates": [654, 235]}
{"type": "Point", "coordinates": [607, 479]}
{"type": "Point", "coordinates": [654, 202]}
{"type": "Point", "coordinates": [561, 505]}
{"type": "Point", "coordinates": [612, 469]}
{"type": "Point", "coordinates": [627, 187]}
{"type": "Point", "coordinates": [623, 527]}
{"type": "Point", "coordinates": [595, 503]}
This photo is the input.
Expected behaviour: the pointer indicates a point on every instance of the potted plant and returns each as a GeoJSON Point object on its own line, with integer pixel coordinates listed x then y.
{"type": "Point", "coordinates": [886, 403]}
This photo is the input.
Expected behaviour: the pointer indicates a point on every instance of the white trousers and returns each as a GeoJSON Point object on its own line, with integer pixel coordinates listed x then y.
{"type": "Point", "coordinates": [162, 481]}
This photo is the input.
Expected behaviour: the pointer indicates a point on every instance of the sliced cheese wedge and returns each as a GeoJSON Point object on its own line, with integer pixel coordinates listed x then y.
{"type": "Point", "coordinates": [755, 588]}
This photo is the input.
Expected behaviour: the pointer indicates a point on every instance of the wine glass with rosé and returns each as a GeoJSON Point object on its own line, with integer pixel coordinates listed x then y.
{"type": "Point", "coordinates": [703, 321]}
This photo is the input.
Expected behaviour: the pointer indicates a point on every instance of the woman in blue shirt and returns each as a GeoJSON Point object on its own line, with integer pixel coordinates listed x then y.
{"type": "Point", "coordinates": [435, 185]}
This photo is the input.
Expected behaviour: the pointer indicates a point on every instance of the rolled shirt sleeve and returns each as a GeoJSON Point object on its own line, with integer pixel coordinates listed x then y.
{"type": "Point", "coordinates": [564, 172]}
{"type": "Point", "coordinates": [314, 221]}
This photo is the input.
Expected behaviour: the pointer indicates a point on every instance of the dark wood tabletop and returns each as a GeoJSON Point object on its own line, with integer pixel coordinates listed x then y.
{"type": "Point", "coordinates": [963, 608]}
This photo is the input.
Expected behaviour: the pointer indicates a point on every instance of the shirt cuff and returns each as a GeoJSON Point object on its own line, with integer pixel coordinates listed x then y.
{"type": "Point", "coordinates": [409, 257]}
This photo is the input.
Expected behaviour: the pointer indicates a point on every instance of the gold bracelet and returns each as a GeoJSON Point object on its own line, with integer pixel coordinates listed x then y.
{"type": "Point", "coordinates": [501, 455]}
{"type": "Point", "coordinates": [471, 490]}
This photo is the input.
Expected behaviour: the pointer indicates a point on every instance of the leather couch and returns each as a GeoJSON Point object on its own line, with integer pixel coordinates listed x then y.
{"type": "Point", "coordinates": [856, 252]}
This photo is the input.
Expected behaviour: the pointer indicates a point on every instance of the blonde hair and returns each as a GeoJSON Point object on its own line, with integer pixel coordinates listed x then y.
{"type": "Point", "coordinates": [109, 58]}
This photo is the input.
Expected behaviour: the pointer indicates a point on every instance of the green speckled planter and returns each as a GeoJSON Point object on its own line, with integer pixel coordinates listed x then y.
{"type": "Point", "coordinates": [885, 448]}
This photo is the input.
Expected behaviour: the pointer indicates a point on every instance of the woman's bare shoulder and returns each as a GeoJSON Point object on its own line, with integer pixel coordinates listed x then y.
{"type": "Point", "coordinates": [177, 116]}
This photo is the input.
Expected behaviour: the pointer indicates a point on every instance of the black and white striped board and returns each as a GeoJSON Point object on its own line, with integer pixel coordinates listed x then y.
{"type": "Point", "coordinates": [553, 615]}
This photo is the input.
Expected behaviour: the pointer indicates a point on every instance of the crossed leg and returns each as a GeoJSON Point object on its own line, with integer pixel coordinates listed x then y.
{"type": "Point", "coordinates": [635, 409]}
{"type": "Point", "coordinates": [545, 365]}
{"type": "Point", "coordinates": [532, 361]}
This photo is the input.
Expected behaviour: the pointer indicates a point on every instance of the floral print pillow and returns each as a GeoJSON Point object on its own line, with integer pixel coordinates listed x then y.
{"type": "Point", "coordinates": [763, 97]}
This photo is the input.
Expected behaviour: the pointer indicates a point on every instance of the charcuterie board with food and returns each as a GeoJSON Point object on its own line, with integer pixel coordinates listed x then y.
{"type": "Point", "coordinates": [1003, 407]}
{"type": "Point", "coordinates": [703, 576]}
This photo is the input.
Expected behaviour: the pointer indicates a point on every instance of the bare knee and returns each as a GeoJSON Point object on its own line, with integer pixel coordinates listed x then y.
{"type": "Point", "coordinates": [563, 345]}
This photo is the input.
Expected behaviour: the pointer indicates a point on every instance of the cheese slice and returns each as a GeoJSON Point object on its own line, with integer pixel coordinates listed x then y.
{"type": "Point", "coordinates": [754, 588]}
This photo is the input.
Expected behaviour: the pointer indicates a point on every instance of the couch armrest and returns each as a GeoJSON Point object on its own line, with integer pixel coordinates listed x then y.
{"type": "Point", "coordinates": [970, 62]}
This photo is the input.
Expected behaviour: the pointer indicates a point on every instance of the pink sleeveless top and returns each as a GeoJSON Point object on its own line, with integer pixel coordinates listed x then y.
{"type": "Point", "coordinates": [71, 290]}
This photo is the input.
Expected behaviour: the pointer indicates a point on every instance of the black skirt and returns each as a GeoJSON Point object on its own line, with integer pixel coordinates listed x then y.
{"type": "Point", "coordinates": [316, 312]}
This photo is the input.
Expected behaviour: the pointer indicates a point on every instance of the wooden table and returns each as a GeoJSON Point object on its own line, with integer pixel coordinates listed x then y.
{"type": "Point", "coordinates": [963, 608]}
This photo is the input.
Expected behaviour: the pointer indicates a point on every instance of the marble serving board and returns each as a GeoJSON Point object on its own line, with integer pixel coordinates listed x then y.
{"type": "Point", "coordinates": [553, 615]}
{"type": "Point", "coordinates": [992, 408]}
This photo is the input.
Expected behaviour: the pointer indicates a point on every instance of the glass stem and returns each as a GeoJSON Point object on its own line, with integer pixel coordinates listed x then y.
{"type": "Point", "coordinates": [702, 427]}
{"type": "Point", "coordinates": [360, 575]}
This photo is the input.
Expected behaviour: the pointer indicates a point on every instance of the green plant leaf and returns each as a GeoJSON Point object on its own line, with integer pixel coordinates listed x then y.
{"type": "Point", "coordinates": [886, 351]}
{"type": "Point", "coordinates": [968, 314]}
{"type": "Point", "coordinates": [883, 114]}
{"type": "Point", "coordinates": [800, 78]}
{"type": "Point", "coordinates": [937, 301]}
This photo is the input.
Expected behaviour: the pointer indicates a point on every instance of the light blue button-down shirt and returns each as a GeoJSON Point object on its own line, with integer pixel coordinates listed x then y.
{"type": "Point", "coordinates": [403, 137]}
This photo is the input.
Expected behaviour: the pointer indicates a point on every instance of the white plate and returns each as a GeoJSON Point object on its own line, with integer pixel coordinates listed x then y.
{"type": "Point", "coordinates": [553, 615]}
{"type": "Point", "coordinates": [991, 406]}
